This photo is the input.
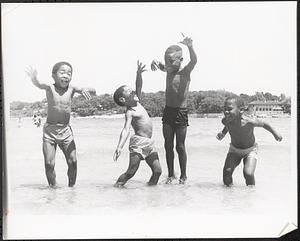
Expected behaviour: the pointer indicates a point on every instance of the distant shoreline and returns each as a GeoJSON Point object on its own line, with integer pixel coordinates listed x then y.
{"type": "Point", "coordinates": [120, 116]}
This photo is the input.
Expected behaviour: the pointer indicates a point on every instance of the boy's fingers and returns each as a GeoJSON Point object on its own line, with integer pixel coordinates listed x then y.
{"type": "Point", "coordinates": [116, 156]}
{"type": "Point", "coordinates": [85, 95]}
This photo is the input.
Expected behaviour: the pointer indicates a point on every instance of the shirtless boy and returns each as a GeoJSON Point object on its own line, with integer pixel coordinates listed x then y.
{"type": "Point", "coordinates": [175, 115]}
{"type": "Point", "coordinates": [141, 146]}
{"type": "Point", "coordinates": [243, 145]}
{"type": "Point", "coordinates": [56, 130]}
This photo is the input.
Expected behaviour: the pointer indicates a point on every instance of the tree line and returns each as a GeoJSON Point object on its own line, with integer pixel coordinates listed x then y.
{"type": "Point", "coordinates": [199, 102]}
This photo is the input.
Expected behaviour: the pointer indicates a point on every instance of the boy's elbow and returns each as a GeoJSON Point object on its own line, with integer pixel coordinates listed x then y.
{"type": "Point", "coordinates": [266, 126]}
{"type": "Point", "coordinates": [40, 86]}
{"type": "Point", "coordinates": [195, 60]}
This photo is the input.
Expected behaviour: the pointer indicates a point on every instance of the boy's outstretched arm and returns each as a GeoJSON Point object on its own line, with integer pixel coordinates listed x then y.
{"type": "Point", "coordinates": [32, 73]}
{"type": "Point", "coordinates": [193, 57]}
{"type": "Point", "coordinates": [268, 127]}
{"type": "Point", "coordinates": [86, 92]}
{"type": "Point", "coordinates": [124, 135]}
{"type": "Point", "coordinates": [139, 79]}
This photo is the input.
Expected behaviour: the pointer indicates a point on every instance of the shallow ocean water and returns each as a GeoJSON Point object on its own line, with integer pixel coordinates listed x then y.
{"type": "Point", "coordinates": [94, 193]}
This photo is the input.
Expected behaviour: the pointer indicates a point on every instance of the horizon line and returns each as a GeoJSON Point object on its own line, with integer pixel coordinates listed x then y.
{"type": "Point", "coordinates": [29, 101]}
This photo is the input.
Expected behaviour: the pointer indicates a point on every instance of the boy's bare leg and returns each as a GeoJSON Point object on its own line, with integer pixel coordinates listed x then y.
{"type": "Point", "coordinates": [169, 146]}
{"type": "Point", "coordinates": [69, 151]}
{"type": "Point", "coordinates": [231, 162]}
{"type": "Point", "coordinates": [153, 161]}
{"type": "Point", "coordinates": [49, 151]}
{"type": "Point", "coordinates": [180, 148]}
{"type": "Point", "coordinates": [134, 163]}
{"type": "Point", "coordinates": [249, 169]}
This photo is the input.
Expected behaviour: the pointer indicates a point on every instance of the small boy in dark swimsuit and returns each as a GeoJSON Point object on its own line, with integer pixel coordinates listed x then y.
{"type": "Point", "coordinates": [175, 116]}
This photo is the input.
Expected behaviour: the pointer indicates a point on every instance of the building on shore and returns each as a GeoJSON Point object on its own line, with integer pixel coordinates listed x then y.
{"type": "Point", "coordinates": [266, 108]}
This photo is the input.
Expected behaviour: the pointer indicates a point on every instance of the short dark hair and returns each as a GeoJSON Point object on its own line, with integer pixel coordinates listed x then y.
{"type": "Point", "coordinates": [57, 66]}
{"type": "Point", "coordinates": [238, 101]}
{"type": "Point", "coordinates": [119, 93]}
{"type": "Point", "coordinates": [172, 49]}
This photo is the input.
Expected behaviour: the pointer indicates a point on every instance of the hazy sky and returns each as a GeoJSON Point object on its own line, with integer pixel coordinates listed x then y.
{"type": "Point", "coordinates": [241, 47]}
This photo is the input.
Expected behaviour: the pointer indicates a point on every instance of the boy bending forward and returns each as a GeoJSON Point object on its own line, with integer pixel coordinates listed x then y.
{"type": "Point", "coordinates": [141, 146]}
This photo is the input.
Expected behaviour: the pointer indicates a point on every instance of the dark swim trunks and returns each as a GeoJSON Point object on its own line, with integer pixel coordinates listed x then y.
{"type": "Point", "coordinates": [175, 117]}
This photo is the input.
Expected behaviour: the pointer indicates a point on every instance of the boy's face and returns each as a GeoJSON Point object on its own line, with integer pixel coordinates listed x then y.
{"type": "Point", "coordinates": [63, 76]}
{"type": "Point", "coordinates": [231, 110]}
{"type": "Point", "coordinates": [173, 61]}
{"type": "Point", "coordinates": [130, 96]}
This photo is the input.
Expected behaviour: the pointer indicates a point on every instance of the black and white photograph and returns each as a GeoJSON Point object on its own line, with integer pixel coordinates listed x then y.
{"type": "Point", "coordinates": [149, 120]}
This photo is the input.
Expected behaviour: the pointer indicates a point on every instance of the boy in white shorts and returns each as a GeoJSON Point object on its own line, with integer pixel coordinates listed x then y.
{"type": "Point", "coordinates": [57, 130]}
{"type": "Point", "coordinates": [141, 146]}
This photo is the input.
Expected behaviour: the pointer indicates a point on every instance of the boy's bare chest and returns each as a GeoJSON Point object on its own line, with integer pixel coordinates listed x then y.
{"type": "Point", "coordinates": [240, 129]}
{"type": "Point", "coordinates": [176, 83]}
{"type": "Point", "coordinates": [60, 97]}
{"type": "Point", "coordinates": [140, 114]}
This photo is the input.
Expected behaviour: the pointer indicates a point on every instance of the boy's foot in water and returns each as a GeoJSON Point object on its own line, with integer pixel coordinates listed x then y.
{"type": "Point", "coordinates": [182, 180]}
{"type": "Point", "coordinates": [170, 180]}
{"type": "Point", "coordinates": [119, 185]}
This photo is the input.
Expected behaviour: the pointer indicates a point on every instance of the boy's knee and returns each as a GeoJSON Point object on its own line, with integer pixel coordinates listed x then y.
{"type": "Point", "coordinates": [227, 171]}
{"type": "Point", "coordinates": [49, 167]}
{"type": "Point", "coordinates": [72, 160]}
{"type": "Point", "coordinates": [169, 145]}
{"type": "Point", "coordinates": [180, 148]}
{"type": "Point", "coordinates": [157, 171]}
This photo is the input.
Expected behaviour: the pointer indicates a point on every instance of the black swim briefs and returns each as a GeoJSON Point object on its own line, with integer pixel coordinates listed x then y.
{"type": "Point", "coordinates": [175, 117]}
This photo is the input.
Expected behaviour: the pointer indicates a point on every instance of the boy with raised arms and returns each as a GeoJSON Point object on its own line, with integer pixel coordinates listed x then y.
{"type": "Point", "coordinates": [175, 115]}
{"type": "Point", "coordinates": [57, 130]}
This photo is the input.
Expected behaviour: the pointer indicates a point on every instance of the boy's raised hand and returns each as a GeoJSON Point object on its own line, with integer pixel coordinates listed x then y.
{"type": "Point", "coordinates": [31, 72]}
{"type": "Point", "coordinates": [157, 65]}
{"type": "Point", "coordinates": [154, 65]}
{"type": "Point", "coordinates": [140, 68]}
{"type": "Point", "coordinates": [86, 94]}
{"type": "Point", "coordinates": [186, 41]}
{"type": "Point", "coordinates": [278, 137]}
